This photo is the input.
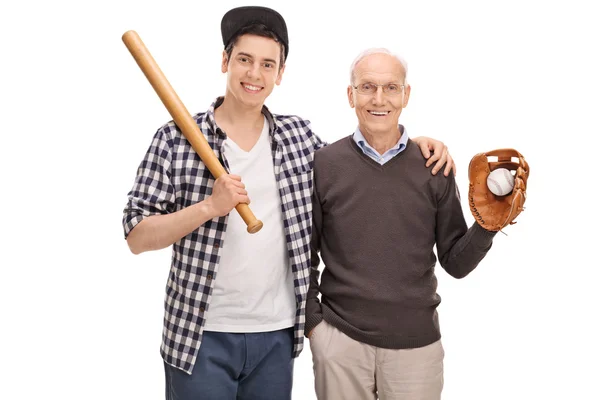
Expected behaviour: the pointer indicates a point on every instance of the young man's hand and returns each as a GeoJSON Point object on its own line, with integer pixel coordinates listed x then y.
{"type": "Point", "coordinates": [228, 192]}
{"type": "Point", "coordinates": [440, 154]}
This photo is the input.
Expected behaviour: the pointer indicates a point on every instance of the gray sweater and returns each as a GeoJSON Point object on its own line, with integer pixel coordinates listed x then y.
{"type": "Point", "coordinates": [375, 228]}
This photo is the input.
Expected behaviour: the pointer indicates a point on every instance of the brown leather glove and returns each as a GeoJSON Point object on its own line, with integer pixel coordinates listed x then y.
{"type": "Point", "coordinates": [493, 212]}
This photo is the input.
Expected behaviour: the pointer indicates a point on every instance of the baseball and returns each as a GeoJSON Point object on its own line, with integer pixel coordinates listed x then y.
{"type": "Point", "coordinates": [500, 182]}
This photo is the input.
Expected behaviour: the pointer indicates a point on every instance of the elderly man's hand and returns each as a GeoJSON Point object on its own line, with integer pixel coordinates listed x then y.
{"type": "Point", "coordinates": [440, 154]}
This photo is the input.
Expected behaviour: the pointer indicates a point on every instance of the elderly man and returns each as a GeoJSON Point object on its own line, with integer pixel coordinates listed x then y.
{"type": "Point", "coordinates": [377, 215]}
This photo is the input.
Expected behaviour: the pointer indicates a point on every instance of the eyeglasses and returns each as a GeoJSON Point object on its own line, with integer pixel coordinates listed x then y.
{"type": "Point", "coordinates": [371, 88]}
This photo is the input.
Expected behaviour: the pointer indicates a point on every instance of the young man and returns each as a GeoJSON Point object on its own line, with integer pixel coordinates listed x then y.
{"type": "Point", "coordinates": [374, 333]}
{"type": "Point", "coordinates": [234, 306]}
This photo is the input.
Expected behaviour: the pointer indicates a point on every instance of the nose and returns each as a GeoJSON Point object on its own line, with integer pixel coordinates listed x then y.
{"type": "Point", "coordinates": [378, 97]}
{"type": "Point", "coordinates": [253, 72]}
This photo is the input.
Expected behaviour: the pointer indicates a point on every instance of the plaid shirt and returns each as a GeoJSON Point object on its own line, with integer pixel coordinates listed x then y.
{"type": "Point", "coordinates": [172, 177]}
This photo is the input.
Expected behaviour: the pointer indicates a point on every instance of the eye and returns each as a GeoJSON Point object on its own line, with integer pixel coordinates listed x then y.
{"type": "Point", "coordinates": [366, 86]}
{"type": "Point", "coordinates": [268, 65]}
{"type": "Point", "coordinates": [393, 88]}
{"type": "Point", "coordinates": [243, 59]}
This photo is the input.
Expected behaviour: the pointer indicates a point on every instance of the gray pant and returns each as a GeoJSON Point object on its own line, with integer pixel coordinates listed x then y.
{"type": "Point", "coordinates": [346, 369]}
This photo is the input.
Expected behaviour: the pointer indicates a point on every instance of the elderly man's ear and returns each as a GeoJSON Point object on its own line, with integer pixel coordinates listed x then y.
{"type": "Point", "coordinates": [406, 95]}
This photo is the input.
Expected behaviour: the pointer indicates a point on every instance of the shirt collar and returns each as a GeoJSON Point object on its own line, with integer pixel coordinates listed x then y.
{"type": "Point", "coordinates": [359, 138]}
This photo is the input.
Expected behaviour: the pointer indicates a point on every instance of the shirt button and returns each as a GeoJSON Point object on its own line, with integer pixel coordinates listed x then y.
{"type": "Point", "coordinates": [201, 309]}
{"type": "Point", "coordinates": [217, 245]}
{"type": "Point", "coordinates": [209, 277]}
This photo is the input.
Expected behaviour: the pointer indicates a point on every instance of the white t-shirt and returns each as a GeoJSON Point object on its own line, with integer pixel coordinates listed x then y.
{"type": "Point", "coordinates": [254, 284]}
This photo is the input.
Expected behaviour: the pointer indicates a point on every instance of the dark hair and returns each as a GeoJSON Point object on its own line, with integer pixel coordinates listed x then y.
{"type": "Point", "coordinates": [258, 30]}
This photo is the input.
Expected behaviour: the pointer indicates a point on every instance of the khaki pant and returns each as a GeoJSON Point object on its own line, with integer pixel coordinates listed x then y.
{"type": "Point", "coordinates": [349, 370]}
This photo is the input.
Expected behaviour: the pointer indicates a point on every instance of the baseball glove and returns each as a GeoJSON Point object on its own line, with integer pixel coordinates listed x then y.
{"type": "Point", "coordinates": [493, 212]}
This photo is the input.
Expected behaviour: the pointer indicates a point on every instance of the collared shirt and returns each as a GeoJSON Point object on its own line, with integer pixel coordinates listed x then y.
{"type": "Point", "coordinates": [374, 154]}
{"type": "Point", "coordinates": [172, 177]}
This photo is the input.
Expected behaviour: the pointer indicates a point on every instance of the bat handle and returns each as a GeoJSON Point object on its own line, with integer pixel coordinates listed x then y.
{"type": "Point", "coordinates": [254, 225]}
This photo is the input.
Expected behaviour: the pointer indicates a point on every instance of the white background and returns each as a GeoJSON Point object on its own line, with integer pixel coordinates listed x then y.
{"type": "Point", "coordinates": [82, 316]}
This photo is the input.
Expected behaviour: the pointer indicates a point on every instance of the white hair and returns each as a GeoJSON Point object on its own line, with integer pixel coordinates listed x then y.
{"type": "Point", "coordinates": [376, 50]}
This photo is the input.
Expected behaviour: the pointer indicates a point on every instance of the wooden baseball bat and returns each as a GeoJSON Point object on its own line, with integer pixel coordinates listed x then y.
{"type": "Point", "coordinates": [182, 117]}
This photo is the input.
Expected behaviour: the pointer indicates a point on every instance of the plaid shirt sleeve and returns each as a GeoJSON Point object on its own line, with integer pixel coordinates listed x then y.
{"type": "Point", "coordinates": [317, 142]}
{"type": "Point", "coordinates": [152, 192]}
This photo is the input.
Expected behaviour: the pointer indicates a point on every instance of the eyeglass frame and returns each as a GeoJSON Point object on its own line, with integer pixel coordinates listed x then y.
{"type": "Point", "coordinates": [383, 86]}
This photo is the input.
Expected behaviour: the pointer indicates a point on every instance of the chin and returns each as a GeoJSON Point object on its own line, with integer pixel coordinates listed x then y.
{"type": "Point", "coordinates": [250, 100]}
{"type": "Point", "coordinates": [380, 128]}
{"type": "Point", "coordinates": [254, 102]}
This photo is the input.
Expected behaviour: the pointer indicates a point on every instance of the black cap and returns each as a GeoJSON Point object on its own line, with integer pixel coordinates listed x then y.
{"type": "Point", "coordinates": [241, 17]}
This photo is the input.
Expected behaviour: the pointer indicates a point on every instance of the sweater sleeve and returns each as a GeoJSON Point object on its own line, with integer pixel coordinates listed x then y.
{"type": "Point", "coordinates": [314, 314]}
{"type": "Point", "coordinates": [459, 249]}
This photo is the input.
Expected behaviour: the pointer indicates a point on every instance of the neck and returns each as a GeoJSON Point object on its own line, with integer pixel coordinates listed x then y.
{"type": "Point", "coordinates": [382, 142]}
{"type": "Point", "coordinates": [232, 113]}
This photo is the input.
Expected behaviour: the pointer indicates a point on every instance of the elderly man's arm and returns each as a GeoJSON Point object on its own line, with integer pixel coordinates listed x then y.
{"type": "Point", "coordinates": [460, 250]}
{"type": "Point", "coordinates": [314, 315]}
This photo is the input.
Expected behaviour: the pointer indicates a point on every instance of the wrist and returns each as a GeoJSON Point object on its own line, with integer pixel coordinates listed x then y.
{"type": "Point", "coordinates": [311, 322]}
{"type": "Point", "coordinates": [207, 208]}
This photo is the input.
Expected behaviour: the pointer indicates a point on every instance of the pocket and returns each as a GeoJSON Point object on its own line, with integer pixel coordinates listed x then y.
{"type": "Point", "coordinates": [321, 342]}
{"type": "Point", "coordinates": [296, 181]}
{"type": "Point", "coordinates": [314, 331]}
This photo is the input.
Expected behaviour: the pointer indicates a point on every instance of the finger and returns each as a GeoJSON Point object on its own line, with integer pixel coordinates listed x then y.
{"type": "Point", "coordinates": [438, 152]}
{"type": "Point", "coordinates": [431, 160]}
{"type": "Point", "coordinates": [225, 180]}
{"type": "Point", "coordinates": [425, 149]}
{"type": "Point", "coordinates": [234, 177]}
{"type": "Point", "coordinates": [235, 185]}
{"type": "Point", "coordinates": [449, 165]}
{"type": "Point", "coordinates": [242, 192]}
{"type": "Point", "coordinates": [239, 184]}
{"type": "Point", "coordinates": [441, 162]}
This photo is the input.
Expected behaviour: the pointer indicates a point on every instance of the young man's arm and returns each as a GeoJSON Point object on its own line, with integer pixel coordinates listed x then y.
{"type": "Point", "coordinates": [315, 139]}
{"type": "Point", "coordinates": [159, 231]}
{"type": "Point", "coordinates": [440, 155]}
{"type": "Point", "coordinates": [150, 221]}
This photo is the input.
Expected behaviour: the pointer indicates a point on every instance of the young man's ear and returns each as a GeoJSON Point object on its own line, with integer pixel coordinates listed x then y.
{"type": "Point", "coordinates": [224, 62]}
{"type": "Point", "coordinates": [280, 75]}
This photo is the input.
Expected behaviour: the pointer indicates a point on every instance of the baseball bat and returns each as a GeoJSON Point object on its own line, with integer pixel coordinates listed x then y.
{"type": "Point", "coordinates": [182, 117]}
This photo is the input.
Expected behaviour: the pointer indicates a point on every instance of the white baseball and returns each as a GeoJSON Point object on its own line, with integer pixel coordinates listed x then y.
{"type": "Point", "coordinates": [501, 182]}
